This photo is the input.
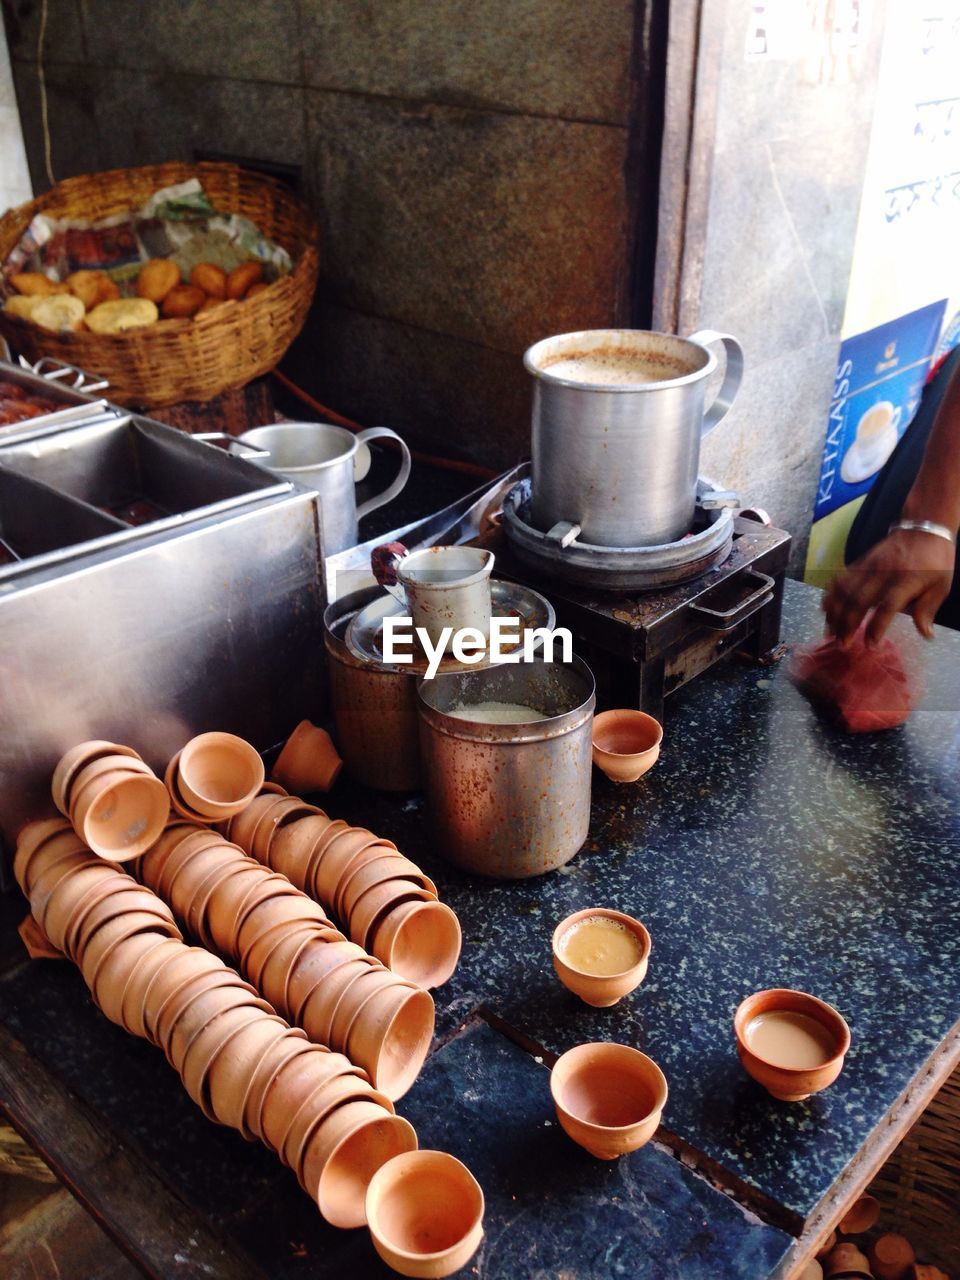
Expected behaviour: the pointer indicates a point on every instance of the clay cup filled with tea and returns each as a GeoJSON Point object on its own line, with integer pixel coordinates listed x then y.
{"type": "Point", "coordinates": [790, 1042]}
{"type": "Point", "coordinates": [618, 416]}
{"type": "Point", "coordinates": [601, 955]}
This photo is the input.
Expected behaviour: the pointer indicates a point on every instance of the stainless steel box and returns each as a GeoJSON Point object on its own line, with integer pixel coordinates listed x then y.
{"type": "Point", "coordinates": [208, 615]}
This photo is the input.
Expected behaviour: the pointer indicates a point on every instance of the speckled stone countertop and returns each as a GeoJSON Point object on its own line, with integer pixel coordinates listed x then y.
{"type": "Point", "coordinates": [764, 849]}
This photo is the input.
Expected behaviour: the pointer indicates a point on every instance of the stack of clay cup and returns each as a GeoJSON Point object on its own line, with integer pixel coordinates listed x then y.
{"type": "Point", "coordinates": [213, 777]}
{"type": "Point", "coordinates": [383, 901]}
{"type": "Point", "coordinates": [240, 1062]}
{"type": "Point", "coordinates": [116, 804]}
{"type": "Point", "coordinates": [285, 945]}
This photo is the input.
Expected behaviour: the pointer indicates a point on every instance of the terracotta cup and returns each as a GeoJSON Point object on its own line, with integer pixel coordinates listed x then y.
{"type": "Point", "coordinates": [320, 1006]}
{"type": "Point", "coordinates": [32, 838]}
{"type": "Point", "coordinates": [368, 872]}
{"type": "Point", "coordinates": [861, 1216]}
{"type": "Point", "coordinates": [116, 968]}
{"type": "Point", "coordinates": [390, 1037]}
{"type": "Point", "coordinates": [791, 1084]}
{"type": "Point", "coordinates": [205, 1046]}
{"type": "Point", "coordinates": [288, 809]}
{"type": "Point", "coordinates": [253, 960]}
{"type": "Point", "coordinates": [373, 979]}
{"type": "Point", "coordinates": [276, 970]}
{"type": "Point", "coordinates": [242, 827]}
{"type": "Point", "coordinates": [609, 1097]}
{"type": "Point", "coordinates": [36, 942]}
{"type": "Point", "coordinates": [420, 941]}
{"type": "Point", "coordinates": [120, 814]}
{"type": "Point", "coordinates": [219, 774]}
{"type": "Point", "coordinates": [140, 975]}
{"type": "Point", "coordinates": [372, 906]}
{"type": "Point", "coordinates": [345, 1152]}
{"type": "Point", "coordinates": [196, 1009]}
{"type": "Point", "coordinates": [72, 761]}
{"type": "Point", "coordinates": [311, 965]}
{"type": "Point", "coordinates": [182, 852]}
{"type": "Point", "coordinates": [61, 894]}
{"type": "Point", "coordinates": [122, 901]}
{"type": "Point", "coordinates": [92, 951]}
{"type": "Point", "coordinates": [293, 1041]}
{"type": "Point", "coordinates": [601, 990]}
{"type": "Point", "coordinates": [846, 1260]}
{"type": "Point", "coordinates": [178, 802]}
{"type": "Point", "coordinates": [626, 743]}
{"type": "Point", "coordinates": [891, 1256]}
{"type": "Point", "coordinates": [292, 847]}
{"type": "Point", "coordinates": [97, 768]}
{"type": "Point", "coordinates": [78, 924]}
{"type": "Point", "coordinates": [309, 761]}
{"type": "Point", "coordinates": [299, 1077]}
{"type": "Point", "coordinates": [233, 1068]}
{"type": "Point", "coordinates": [334, 1093]}
{"type": "Point", "coordinates": [425, 1214]}
{"type": "Point", "coordinates": [158, 986]}
{"type": "Point", "coordinates": [150, 866]}
{"type": "Point", "coordinates": [332, 864]}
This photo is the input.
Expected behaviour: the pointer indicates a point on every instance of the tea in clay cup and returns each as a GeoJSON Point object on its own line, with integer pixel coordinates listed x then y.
{"type": "Point", "coordinates": [345, 1152]}
{"type": "Point", "coordinates": [425, 1214]}
{"type": "Point", "coordinates": [587, 973]}
{"type": "Point", "coordinates": [626, 743]}
{"type": "Point", "coordinates": [827, 1034]}
{"type": "Point", "coordinates": [609, 1097]}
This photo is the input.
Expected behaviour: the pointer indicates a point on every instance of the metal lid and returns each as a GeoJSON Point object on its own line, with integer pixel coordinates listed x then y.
{"type": "Point", "coordinates": [509, 599]}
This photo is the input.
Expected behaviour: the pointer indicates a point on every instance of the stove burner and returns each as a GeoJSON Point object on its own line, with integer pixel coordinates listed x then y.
{"type": "Point", "coordinates": [623, 568]}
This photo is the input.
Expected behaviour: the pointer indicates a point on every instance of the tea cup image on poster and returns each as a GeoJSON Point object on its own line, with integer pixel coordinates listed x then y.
{"type": "Point", "coordinates": [876, 438]}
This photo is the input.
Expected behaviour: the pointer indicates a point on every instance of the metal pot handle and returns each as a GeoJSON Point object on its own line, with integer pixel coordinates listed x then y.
{"type": "Point", "coordinates": [725, 397]}
{"type": "Point", "coordinates": [229, 443]}
{"type": "Point", "coordinates": [377, 433]}
{"type": "Point", "coordinates": [384, 563]}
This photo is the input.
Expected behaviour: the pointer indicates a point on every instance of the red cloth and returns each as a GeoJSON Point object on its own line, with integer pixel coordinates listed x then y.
{"type": "Point", "coordinates": [865, 688]}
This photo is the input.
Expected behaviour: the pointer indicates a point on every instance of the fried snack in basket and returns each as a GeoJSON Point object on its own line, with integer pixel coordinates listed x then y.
{"type": "Point", "coordinates": [210, 278]}
{"type": "Point", "coordinates": [157, 277]}
{"type": "Point", "coordinates": [122, 314]}
{"type": "Point", "coordinates": [92, 287]}
{"type": "Point", "coordinates": [242, 278]}
{"type": "Point", "coordinates": [58, 312]}
{"type": "Point", "coordinates": [21, 305]}
{"type": "Point", "coordinates": [183, 300]}
{"type": "Point", "coordinates": [34, 284]}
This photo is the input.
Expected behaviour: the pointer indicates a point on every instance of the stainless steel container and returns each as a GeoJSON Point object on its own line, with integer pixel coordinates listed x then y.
{"type": "Point", "coordinates": [374, 707]}
{"type": "Point", "coordinates": [509, 800]}
{"type": "Point", "coordinates": [620, 461]}
{"type": "Point", "coordinates": [207, 616]}
{"type": "Point", "coordinates": [324, 458]}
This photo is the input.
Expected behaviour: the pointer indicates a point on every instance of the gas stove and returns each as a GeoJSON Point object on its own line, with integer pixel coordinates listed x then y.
{"type": "Point", "coordinates": [722, 594]}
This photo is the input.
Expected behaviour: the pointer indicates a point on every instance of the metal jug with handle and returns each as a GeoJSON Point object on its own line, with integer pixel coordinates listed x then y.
{"type": "Point", "coordinates": [618, 459]}
{"type": "Point", "coordinates": [331, 460]}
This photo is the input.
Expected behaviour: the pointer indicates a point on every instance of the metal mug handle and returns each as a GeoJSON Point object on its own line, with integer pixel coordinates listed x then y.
{"type": "Point", "coordinates": [725, 397]}
{"type": "Point", "coordinates": [229, 443]}
{"type": "Point", "coordinates": [384, 562]}
{"type": "Point", "coordinates": [377, 433]}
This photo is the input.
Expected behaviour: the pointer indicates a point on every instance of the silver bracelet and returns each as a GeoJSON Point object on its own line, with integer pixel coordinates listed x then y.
{"type": "Point", "coordinates": [925, 526]}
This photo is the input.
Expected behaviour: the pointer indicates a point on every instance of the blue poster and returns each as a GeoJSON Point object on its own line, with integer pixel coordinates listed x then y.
{"type": "Point", "coordinates": [879, 381]}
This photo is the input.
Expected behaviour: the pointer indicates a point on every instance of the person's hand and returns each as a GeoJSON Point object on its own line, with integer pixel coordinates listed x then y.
{"type": "Point", "coordinates": [908, 572]}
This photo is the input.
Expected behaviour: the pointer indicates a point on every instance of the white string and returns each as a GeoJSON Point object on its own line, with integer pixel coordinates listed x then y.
{"type": "Point", "coordinates": [41, 76]}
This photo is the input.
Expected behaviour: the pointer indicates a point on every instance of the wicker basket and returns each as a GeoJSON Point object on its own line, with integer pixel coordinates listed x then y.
{"type": "Point", "coordinates": [919, 1186]}
{"type": "Point", "coordinates": [188, 359]}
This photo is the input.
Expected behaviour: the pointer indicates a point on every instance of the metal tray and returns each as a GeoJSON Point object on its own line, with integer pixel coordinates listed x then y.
{"type": "Point", "coordinates": [37, 522]}
{"type": "Point", "coordinates": [145, 474]}
{"type": "Point", "coordinates": [70, 387]}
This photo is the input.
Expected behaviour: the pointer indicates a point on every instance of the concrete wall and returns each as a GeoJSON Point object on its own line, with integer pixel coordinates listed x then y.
{"type": "Point", "coordinates": [14, 176]}
{"type": "Point", "coordinates": [473, 164]}
{"type": "Point", "coordinates": [791, 139]}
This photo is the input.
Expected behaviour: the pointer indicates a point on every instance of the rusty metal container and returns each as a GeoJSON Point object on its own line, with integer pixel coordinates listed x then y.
{"type": "Point", "coordinates": [374, 707]}
{"type": "Point", "coordinates": [509, 800]}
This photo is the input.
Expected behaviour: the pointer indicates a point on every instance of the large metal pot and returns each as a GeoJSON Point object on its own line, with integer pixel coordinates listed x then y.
{"type": "Point", "coordinates": [325, 458]}
{"type": "Point", "coordinates": [509, 800]}
{"type": "Point", "coordinates": [620, 460]}
{"type": "Point", "coordinates": [374, 707]}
